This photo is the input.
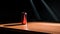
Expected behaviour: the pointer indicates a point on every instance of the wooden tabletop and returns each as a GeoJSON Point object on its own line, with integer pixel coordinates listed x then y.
{"type": "Point", "coordinates": [47, 27]}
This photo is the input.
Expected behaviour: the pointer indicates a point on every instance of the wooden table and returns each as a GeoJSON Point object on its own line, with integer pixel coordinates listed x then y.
{"type": "Point", "coordinates": [47, 27]}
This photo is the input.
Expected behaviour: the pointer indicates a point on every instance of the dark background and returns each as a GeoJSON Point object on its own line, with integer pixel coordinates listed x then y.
{"type": "Point", "coordinates": [10, 11]}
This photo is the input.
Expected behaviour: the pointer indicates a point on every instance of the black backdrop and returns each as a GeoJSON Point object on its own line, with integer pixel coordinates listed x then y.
{"type": "Point", "coordinates": [10, 11]}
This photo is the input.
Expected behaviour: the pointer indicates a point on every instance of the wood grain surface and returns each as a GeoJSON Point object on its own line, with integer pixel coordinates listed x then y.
{"type": "Point", "coordinates": [48, 27]}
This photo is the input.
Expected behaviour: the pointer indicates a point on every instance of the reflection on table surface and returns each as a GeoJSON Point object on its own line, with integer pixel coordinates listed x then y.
{"type": "Point", "coordinates": [47, 27]}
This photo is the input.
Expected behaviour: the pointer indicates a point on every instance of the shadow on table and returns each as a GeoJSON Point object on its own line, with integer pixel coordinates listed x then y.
{"type": "Point", "coordinates": [12, 31]}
